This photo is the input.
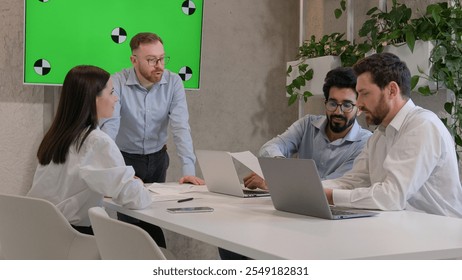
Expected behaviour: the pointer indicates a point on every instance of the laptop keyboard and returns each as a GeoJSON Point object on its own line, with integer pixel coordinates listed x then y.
{"type": "Point", "coordinates": [340, 212]}
{"type": "Point", "coordinates": [247, 191]}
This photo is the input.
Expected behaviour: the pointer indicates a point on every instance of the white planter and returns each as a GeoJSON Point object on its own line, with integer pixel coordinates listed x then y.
{"type": "Point", "coordinates": [320, 66]}
{"type": "Point", "coordinates": [415, 60]}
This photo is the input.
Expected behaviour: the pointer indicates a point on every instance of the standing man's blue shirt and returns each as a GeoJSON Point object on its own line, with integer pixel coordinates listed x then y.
{"type": "Point", "coordinates": [146, 114]}
{"type": "Point", "coordinates": [308, 138]}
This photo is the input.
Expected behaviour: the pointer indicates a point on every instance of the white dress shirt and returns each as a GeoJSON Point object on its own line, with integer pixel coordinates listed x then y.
{"type": "Point", "coordinates": [80, 183]}
{"type": "Point", "coordinates": [411, 164]}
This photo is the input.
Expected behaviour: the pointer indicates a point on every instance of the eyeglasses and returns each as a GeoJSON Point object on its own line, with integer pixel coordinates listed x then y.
{"type": "Point", "coordinates": [332, 105]}
{"type": "Point", "coordinates": [153, 61]}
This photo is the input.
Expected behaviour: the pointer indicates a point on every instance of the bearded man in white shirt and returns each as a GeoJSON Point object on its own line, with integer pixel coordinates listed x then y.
{"type": "Point", "coordinates": [409, 163]}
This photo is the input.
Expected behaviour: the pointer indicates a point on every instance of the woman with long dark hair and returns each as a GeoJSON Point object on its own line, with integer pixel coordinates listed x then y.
{"type": "Point", "coordinates": [78, 163]}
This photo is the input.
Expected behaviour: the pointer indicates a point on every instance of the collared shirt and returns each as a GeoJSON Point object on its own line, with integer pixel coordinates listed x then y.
{"type": "Point", "coordinates": [308, 138]}
{"type": "Point", "coordinates": [80, 183]}
{"type": "Point", "coordinates": [411, 164]}
{"type": "Point", "coordinates": [141, 117]}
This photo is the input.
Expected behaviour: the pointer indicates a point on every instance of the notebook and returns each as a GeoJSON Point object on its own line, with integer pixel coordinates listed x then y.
{"type": "Point", "coordinates": [220, 174]}
{"type": "Point", "coordinates": [295, 186]}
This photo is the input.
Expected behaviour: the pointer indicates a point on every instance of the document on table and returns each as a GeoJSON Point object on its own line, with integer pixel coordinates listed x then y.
{"type": "Point", "coordinates": [249, 160]}
{"type": "Point", "coordinates": [172, 191]}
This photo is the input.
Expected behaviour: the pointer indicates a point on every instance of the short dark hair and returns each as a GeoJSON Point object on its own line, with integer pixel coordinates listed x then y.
{"type": "Point", "coordinates": [144, 38]}
{"type": "Point", "coordinates": [340, 77]}
{"type": "Point", "coordinates": [385, 68]}
{"type": "Point", "coordinates": [76, 116]}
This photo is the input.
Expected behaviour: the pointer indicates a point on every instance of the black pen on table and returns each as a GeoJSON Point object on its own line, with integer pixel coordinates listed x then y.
{"type": "Point", "coordinates": [185, 199]}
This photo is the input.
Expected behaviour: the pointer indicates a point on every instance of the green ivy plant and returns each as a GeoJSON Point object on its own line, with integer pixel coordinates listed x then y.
{"type": "Point", "coordinates": [393, 27]}
{"type": "Point", "coordinates": [333, 44]}
{"type": "Point", "coordinates": [442, 24]}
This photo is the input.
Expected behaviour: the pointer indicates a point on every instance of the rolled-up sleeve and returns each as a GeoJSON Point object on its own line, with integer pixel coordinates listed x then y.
{"type": "Point", "coordinates": [103, 169]}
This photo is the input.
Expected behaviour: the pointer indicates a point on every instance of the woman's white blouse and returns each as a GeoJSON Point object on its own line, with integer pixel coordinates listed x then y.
{"type": "Point", "coordinates": [97, 170]}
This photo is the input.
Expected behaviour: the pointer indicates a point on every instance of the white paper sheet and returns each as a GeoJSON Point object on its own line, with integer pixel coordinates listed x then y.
{"type": "Point", "coordinates": [174, 188]}
{"type": "Point", "coordinates": [173, 191]}
{"type": "Point", "coordinates": [250, 160]}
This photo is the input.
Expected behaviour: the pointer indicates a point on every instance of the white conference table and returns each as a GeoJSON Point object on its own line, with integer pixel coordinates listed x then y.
{"type": "Point", "coordinates": [252, 227]}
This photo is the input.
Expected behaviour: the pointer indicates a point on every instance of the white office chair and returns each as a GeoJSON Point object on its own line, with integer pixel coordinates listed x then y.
{"type": "Point", "coordinates": [32, 228]}
{"type": "Point", "coordinates": [118, 240]}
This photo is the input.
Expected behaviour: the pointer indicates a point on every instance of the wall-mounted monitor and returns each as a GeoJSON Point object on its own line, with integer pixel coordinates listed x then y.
{"type": "Point", "coordinates": [60, 34]}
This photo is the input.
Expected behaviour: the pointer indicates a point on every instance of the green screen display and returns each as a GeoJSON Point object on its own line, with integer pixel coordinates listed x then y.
{"type": "Point", "coordinates": [60, 34]}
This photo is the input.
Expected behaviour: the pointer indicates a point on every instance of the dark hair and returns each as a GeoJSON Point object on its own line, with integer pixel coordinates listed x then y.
{"type": "Point", "coordinates": [144, 38]}
{"type": "Point", "coordinates": [341, 77]}
{"type": "Point", "coordinates": [385, 68]}
{"type": "Point", "coordinates": [76, 116]}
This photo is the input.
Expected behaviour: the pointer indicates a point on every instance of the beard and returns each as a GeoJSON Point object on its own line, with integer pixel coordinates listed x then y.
{"type": "Point", "coordinates": [336, 126]}
{"type": "Point", "coordinates": [153, 76]}
{"type": "Point", "coordinates": [381, 111]}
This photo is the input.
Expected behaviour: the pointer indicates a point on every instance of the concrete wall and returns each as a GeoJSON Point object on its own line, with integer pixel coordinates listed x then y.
{"type": "Point", "coordinates": [242, 103]}
{"type": "Point", "coordinates": [22, 108]}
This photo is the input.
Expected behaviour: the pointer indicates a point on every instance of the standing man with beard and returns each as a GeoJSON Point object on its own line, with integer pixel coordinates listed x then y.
{"type": "Point", "coordinates": [410, 162]}
{"type": "Point", "coordinates": [151, 99]}
{"type": "Point", "coordinates": [333, 141]}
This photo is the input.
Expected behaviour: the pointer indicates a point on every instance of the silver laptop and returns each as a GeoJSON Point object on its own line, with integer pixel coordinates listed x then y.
{"type": "Point", "coordinates": [296, 187]}
{"type": "Point", "coordinates": [220, 174]}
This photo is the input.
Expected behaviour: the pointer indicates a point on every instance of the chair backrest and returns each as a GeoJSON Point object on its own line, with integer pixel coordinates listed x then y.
{"type": "Point", "coordinates": [122, 241]}
{"type": "Point", "coordinates": [32, 228]}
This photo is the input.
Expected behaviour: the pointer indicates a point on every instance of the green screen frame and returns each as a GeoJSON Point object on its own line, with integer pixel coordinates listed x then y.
{"type": "Point", "coordinates": [67, 33]}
